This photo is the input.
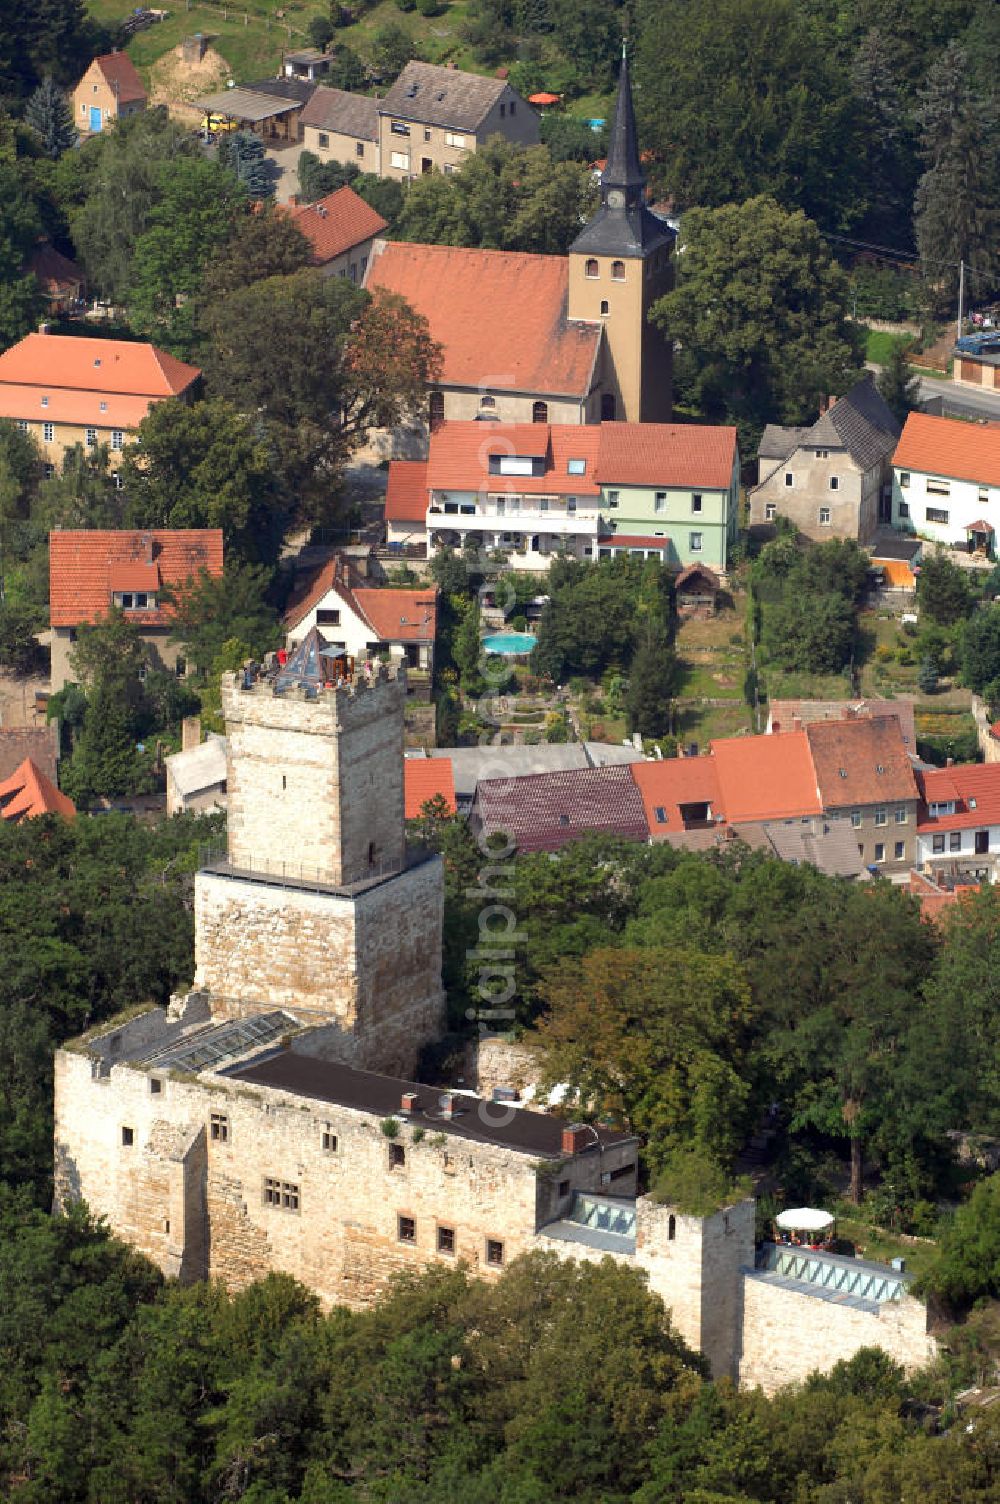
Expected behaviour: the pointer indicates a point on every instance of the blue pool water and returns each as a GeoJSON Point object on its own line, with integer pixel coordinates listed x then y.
{"type": "Point", "coordinates": [517, 644]}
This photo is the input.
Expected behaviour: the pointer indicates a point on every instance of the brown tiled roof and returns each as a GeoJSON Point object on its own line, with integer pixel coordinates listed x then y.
{"type": "Point", "coordinates": [974, 788]}
{"type": "Point", "coordinates": [82, 565]}
{"type": "Point", "coordinates": [766, 777]}
{"type": "Point", "coordinates": [668, 454]}
{"type": "Point", "coordinates": [500, 316]}
{"type": "Point", "coordinates": [406, 492]}
{"type": "Point", "coordinates": [344, 114]}
{"type": "Point", "coordinates": [545, 811]}
{"type": "Point", "coordinates": [39, 743]}
{"type": "Point", "coordinates": [54, 271]}
{"type": "Point", "coordinates": [27, 793]}
{"type": "Point", "coordinates": [442, 96]}
{"type": "Point", "coordinates": [784, 713]}
{"type": "Point", "coordinates": [425, 778]}
{"type": "Point", "coordinates": [859, 761]}
{"type": "Point", "coordinates": [676, 781]}
{"type": "Point", "coordinates": [119, 70]}
{"type": "Point", "coordinates": [336, 223]}
{"type": "Point", "coordinates": [950, 447]}
{"type": "Point", "coordinates": [460, 452]}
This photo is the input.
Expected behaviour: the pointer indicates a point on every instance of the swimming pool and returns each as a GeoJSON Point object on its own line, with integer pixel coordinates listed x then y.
{"type": "Point", "coordinates": [515, 644]}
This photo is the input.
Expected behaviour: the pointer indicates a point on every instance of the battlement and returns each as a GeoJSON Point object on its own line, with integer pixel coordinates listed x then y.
{"type": "Point", "coordinates": [321, 707]}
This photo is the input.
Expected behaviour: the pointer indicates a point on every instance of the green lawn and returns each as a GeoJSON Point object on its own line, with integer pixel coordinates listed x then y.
{"type": "Point", "coordinates": [882, 1246]}
{"type": "Point", "coordinates": [879, 345]}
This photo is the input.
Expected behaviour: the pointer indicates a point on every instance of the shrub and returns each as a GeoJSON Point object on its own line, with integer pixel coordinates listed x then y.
{"type": "Point", "coordinates": [390, 1128]}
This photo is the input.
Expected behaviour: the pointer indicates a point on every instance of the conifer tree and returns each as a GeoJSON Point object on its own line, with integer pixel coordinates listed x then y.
{"type": "Point", "coordinates": [48, 114]}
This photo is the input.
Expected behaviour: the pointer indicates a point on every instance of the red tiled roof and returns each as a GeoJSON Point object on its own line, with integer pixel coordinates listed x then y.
{"type": "Point", "coordinates": [949, 447]}
{"type": "Point", "coordinates": [934, 901]}
{"type": "Point", "coordinates": [101, 410]}
{"type": "Point", "coordinates": [974, 788]}
{"type": "Point", "coordinates": [459, 456]}
{"type": "Point", "coordinates": [406, 493]}
{"type": "Point", "coordinates": [632, 540]}
{"type": "Point", "coordinates": [336, 223]}
{"type": "Point", "coordinates": [766, 777]}
{"type": "Point", "coordinates": [507, 304]}
{"type": "Point", "coordinates": [669, 454]}
{"type": "Point", "coordinates": [697, 572]}
{"type": "Point", "coordinates": [27, 793]}
{"type": "Point", "coordinates": [675, 781]}
{"type": "Point", "coordinates": [423, 779]}
{"type": "Point", "coordinates": [400, 615]}
{"type": "Point", "coordinates": [860, 761]}
{"type": "Point", "coordinates": [82, 564]}
{"type": "Point", "coordinates": [545, 811]}
{"type": "Point", "coordinates": [54, 271]}
{"type": "Point", "coordinates": [63, 362]}
{"type": "Point", "coordinates": [119, 70]}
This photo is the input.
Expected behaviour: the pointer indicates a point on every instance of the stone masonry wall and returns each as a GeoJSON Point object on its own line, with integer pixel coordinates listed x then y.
{"type": "Point", "coordinates": [372, 963]}
{"type": "Point", "coordinates": [316, 785]}
{"type": "Point", "coordinates": [787, 1334]}
{"type": "Point", "coordinates": [343, 1240]}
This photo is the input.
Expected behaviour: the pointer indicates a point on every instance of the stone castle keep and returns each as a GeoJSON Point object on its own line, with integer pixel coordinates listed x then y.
{"type": "Point", "coordinates": [268, 1119]}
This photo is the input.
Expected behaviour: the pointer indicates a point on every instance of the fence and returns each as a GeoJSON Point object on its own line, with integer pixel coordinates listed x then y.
{"type": "Point", "coordinates": [214, 857]}
{"type": "Point", "coordinates": [258, 17]}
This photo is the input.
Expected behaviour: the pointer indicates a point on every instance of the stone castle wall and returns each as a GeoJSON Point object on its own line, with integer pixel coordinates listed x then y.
{"type": "Point", "coordinates": [342, 1240]}
{"type": "Point", "coordinates": [787, 1334]}
{"type": "Point", "coordinates": [371, 963]}
{"type": "Point", "coordinates": [316, 785]}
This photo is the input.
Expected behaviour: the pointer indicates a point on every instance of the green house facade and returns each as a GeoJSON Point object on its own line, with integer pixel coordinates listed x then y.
{"type": "Point", "coordinates": [700, 524]}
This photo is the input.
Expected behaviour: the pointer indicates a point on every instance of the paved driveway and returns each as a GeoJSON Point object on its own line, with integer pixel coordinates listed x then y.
{"type": "Point", "coordinates": [285, 162]}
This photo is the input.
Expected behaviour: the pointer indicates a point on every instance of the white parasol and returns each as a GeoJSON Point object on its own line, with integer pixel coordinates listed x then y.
{"type": "Point", "coordinates": [804, 1219]}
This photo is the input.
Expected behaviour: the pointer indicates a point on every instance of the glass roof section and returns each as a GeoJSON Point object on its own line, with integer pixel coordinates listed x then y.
{"type": "Point", "coordinates": [211, 1046]}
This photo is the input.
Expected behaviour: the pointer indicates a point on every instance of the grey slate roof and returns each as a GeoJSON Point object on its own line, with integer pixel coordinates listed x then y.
{"type": "Point", "coordinates": [859, 421]}
{"type": "Point", "coordinates": [546, 811]}
{"type": "Point", "coordinates": [40, 743]}
{"type": "Point", "coordinates": [470, 764]}
{"type": "Point", "coordinates": [442, 96]}
{"type": "Point", "coordinates": [346, 114]}
{"type": "Point", "coordinates": [300, 89]}
{"type": "Point", "coordinates": [829, 845]}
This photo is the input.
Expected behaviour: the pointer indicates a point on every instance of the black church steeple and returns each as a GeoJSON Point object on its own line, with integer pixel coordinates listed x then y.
{"type": "Point", "coordinates": [623, 226]}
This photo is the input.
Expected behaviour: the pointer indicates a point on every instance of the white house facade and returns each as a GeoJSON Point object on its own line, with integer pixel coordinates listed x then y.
{"type": "Point", "coordinates": [946, 482]}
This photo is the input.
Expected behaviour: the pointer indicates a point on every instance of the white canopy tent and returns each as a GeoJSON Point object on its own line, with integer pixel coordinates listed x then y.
{"type": "Point", "coordinates": [804, 1219]}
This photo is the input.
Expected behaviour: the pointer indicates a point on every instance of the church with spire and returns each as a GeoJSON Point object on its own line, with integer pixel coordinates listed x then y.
{"type": "Point", "coordinates": [529, 338]}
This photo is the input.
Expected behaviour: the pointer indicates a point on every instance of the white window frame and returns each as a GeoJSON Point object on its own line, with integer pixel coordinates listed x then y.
{"type": "Point", "coordinates": [454, 138]}
{"type": "Point", "coordinates": [696, 547]}
{"type": "Point", "coordinates": [400, 160]}
{"type": "Point", "coordinates": [825, 518]}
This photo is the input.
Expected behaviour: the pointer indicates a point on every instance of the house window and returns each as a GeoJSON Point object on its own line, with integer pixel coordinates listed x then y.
{"type": "Point", "coordinates": [503, 109]}
{"type": "Point", "coordinates": [436, 408]}
{"type": "Point", "coordinates": [446, 1240]}
{"type": "Point", "coordinates": [937, 843]}
{"type": "Point", "coordinates": [399, 160]}
{"type": "Point", "coordinates": [155, 1086]}
{"type": "Point", "coordinates": [513, 107]}
{"type": "Point", "coordinates": [328, 1140]}
{"type": "Point", "coordinates": [661, 814]}
{"type": "Point", "coordinates": [881, 817]}
{"type": "Point", "coordinates": [218, 1127]}
{"type": "Point", "coordinates": [406, 1229]}
{"type": "Point", "coordinates": [324, 139]}
{"type": "Point", "coordinates": [605, 308]}
{"type": "Point", "coordinates": [117, 482]}
{"type": "Point", "coordinates": [822, 454]}
{"type": "Point", "coordinates": [591, 268]}
{"type": "Point", "coordinates": [281, 1193]}
{"type": "Point", "coordinates": [91, 437]}
{"type": "Point", "coordinates": [613, 499]}
{"type": "Point", "coordinates": [618, 271]}
{"type": "Point", "coordinates": [607, 407]}
{"type": "Point", "coordinates": [955, 840]}
{"type": "Point", "coordinates": [494, 1252]}
{"type": "Point", "coordinates": [770, 511]}
{"type": "Point", "coordinates": [982, 842]}
{"type": "Point", "coordinates": [834, 482]}
{"type": "Point", "coordinates": [901, 816]}
{"type": "Point", "coordinates": [564, 1188]}
{"type": "Point", "coordinates": [789, 478]}
{"type": "Point", "coordinates": [938, 488]}
{"type": "Point", "coordinates": [128, 1137]}
{"type": "Point", "coordinates": [695, 542]}
{"type": "Point", "coordinates": [856, 819]}
{"type": "Point", "coordinates": [571, 503]}
{"type": "Point", "coordinates": [180, 668]}
{"type": "Point", "coordinates": [937, 514]}
{"type": "Point", "coordinates": [696, 502]}
{"type": "Point", "coordinates": [48, 432]}
{"type": "Point", "coordinates": [449, 167]}
{"type": "Point", "coordinates": [489, 403]}
{"type": "Point", "coordinates": [452, 139]}
{"type": "Point", "coordinates": [984, 493]}
{"type": "Point", "coordinates": [359, 148]}
{"type": "Point", "coordinates": [899, 850]}
{"type": "Point", "coordinates": [671, 1228]}
{"type": "Point", "coordinates": [399, 128]}
{"type": "Point", "coordinates": [879, 851]}
{"type": "Point", "coordinates": [397, 1156]}
{"type": "Point", "coordinates": [904, 510]}
{"type": "Point", "coordinates": [45, 401]}
{"type": "Point", "coordinates": [576, 467]}
{"type": "Point", "coordinates": [824, 516]}
{"type": "Point", "coordinates": [22, 424]}
{"type": "Point", "coordinates": [427, 134]}
{"type": "Point", "coordinates": [117, 438]}
{"type": "Point", "coordinates": [904, 478]}
{"type": "Point", "coordinates": [660, 501]}
{"type": "Point", "coordinates": [540, 412]}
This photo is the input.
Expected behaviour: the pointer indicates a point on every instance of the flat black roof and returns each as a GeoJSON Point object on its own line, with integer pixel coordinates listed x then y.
{"type": "Point", "coordinates": [482, 1121]}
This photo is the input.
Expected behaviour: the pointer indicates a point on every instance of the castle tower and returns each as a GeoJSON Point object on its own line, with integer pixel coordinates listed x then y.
{"type": "Point", "coordinates": [316, 906]}
{"type": "Point", "coordinates": [619, 265]}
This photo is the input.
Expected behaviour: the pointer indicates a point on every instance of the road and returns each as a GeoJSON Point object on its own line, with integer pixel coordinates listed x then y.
{"type": "Point", "coordinates": [957, 401]}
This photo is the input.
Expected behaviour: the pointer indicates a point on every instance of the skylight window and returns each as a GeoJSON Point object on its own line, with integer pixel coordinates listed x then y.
{"type": "Point", "coordinates": [576, 467]}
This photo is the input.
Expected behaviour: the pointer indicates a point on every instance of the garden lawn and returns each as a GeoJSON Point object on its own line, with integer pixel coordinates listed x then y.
{"type": "Point", "coordinates": [879, 345]}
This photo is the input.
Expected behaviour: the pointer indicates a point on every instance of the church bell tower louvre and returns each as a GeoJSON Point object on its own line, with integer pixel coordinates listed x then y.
{"type": "Point", "coordinates": [619, 265]}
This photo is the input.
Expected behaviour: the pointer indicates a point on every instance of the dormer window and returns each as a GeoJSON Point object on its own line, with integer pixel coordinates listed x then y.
{"type": "Point", "coordinates": [45, 401]}
{"type": "Point", "coordinates": [134, 600]}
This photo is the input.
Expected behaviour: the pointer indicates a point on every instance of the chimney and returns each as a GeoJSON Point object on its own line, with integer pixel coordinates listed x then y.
{"type": "Point", "coordinates": [831, 400]}
{"type": "Point", "coordinates": [146, 547]}
{"type": "Point", "coordinates": [796, 723]}
{"type": "Point", "coordinates": [190, 732]}
{"type": "Point", "coordinates": [45, 327]}
{"type": "Point", "coordinates": [949, 762]}
{"type": "Point", "coordinates": [576, 1137]}
{"type": "Point", "coordinates": [409, 1102]}
{"type": "Point", "coordinates": [824, 403]}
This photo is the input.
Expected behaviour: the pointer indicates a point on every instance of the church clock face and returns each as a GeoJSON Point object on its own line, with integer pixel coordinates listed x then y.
{"type": "Point", "coordinates": [616, 199]}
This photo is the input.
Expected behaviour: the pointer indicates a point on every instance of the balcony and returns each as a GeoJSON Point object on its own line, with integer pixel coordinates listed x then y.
{"type": "Point", "coordinates": [487, 518]}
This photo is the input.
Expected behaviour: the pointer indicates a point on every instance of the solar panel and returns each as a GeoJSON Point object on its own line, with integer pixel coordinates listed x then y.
{"type": "Point", "coordinates": [218, 1042]}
